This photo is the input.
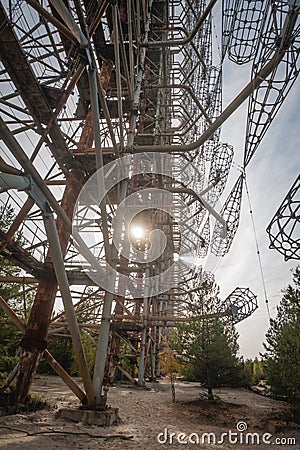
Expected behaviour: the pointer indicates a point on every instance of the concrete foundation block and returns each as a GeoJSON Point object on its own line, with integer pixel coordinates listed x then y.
{"type": "Point", "coordinates": [105, 418]}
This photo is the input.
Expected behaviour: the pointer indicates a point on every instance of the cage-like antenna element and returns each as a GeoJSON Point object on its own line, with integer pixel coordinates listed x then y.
{"type": "Point", "coordinates": [284, 228]}
{"type": "Point", "coordinates": [242, 21]}
{"type": "Point", "coordinates": [239, 305]}
{"type": "Point", "coordinates": [265, 101]}
{"type": "Point", "coordinates": [231, 213]}
{"type": "Point", "coordinates": [220, 167]}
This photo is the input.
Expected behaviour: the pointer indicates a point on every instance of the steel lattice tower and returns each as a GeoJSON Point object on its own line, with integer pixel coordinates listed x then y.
{"type": "Point", "coordinates": [125, 98]}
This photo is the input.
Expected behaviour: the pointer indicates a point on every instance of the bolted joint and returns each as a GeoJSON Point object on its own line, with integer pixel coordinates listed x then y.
{"type": "Point", "coordinates": [37, 195]}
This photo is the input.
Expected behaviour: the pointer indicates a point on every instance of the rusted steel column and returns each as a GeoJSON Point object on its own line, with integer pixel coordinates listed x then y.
{"type": "Point", "coordinates": [115, 341]}
{"type": "Point", "coordinates": [103, 338]}
{"type": "Point", "coordinates": [47, 355]}
{"type": "Point", "coordinates": [34, 341]}
{"type": "Point", "coordinates": [87, 137]}
{"type": "Point", "coordinates": [61, 276]}
{"type": "Point", "coordinates": [105, 73]}
{"type": "Point", "coordinates": [136, 336]}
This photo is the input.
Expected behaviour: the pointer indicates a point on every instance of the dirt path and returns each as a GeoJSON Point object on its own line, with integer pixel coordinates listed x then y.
{"type": "Point", "coordinates": [145, 414]}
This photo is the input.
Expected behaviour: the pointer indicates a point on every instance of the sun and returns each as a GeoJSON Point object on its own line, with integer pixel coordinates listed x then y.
{"type": "Point", "coordinates": [137, 232]}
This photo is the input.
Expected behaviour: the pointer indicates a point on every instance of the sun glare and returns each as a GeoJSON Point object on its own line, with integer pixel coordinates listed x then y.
{"type": "Point", "coordinates": [137, 232]}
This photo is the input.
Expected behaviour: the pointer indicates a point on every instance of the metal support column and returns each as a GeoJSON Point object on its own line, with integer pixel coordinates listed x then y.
{"type": "Point", "coordinates": [142, 363]}
{"type": "Point", "coordinates": [63, 283]}
{"type": "Point", "coordinates": [47, 355]}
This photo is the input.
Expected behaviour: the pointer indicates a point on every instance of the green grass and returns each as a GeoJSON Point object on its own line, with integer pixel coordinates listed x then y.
{"type": "Point", "coordinates": [8, 404]}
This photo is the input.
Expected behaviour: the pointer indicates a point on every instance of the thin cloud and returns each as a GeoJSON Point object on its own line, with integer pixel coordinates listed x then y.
{"type": "Point", "coordinates": [270, 175]}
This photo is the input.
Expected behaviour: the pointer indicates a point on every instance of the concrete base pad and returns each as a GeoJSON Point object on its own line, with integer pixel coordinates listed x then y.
{"type": "Point", "coordinates": [105, 418]}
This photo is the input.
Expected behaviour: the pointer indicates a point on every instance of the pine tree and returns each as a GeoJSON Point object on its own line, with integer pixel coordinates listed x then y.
{"type": "Point", "coordinates": [17, 298]}
{"type": "Point", "coordinates": [247, 375]}
{"type": "Point", "coordinates": [282, 356]}
{"type": "Point", "coordinates": [258, 371]}
{"type": "Point", "coordinates": [206, 344]}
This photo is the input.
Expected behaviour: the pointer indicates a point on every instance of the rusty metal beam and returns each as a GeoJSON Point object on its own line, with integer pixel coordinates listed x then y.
{"type": "Point", "coordinates": [47, 355]}
{"type": "Point", "coordinates": [190, 37]}
{"type": "Point", "coordinates": [17, 222]}
{"type": "Point", "coordinates": [57, 258]}
{"type": "Point", "coordinates": [15, 279]}
{"type": "Point", "coordinates": [75, 278]}
{"type": "Point", "coordinates": [231, 108]}
{"type": "Point", "coordinates": [32, 92]}
{"type": "Point", "coordinates": [35, 338]}
{"type": "Point", "coordinates": [7, 168]}
{"type": "Point", "coordinates": [50, 18]}
{"type": "Point", "coordinates": [14, 146]}
{"type": "Point", "coordinates": [20, 257]}
{"type": "Point", "coordinates": [75, 181]}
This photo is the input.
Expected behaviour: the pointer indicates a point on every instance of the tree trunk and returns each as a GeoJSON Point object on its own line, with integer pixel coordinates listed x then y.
{"type": "Point", "coordinates": [34, 341]}
{"type": "Point", "coordinates": [210, 393]}
{"type": "Point", "coordinates": [209, 386]}
{"type": "Point", "coordinates": [173, 390]}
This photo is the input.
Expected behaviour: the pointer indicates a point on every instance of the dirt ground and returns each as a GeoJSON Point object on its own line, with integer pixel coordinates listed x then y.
{"type": "Point", "coordinates": [150, 421]}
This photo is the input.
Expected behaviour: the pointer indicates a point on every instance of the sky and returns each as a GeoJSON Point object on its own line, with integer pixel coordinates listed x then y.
{"type": "Point", "coordinates": [270, 174]}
